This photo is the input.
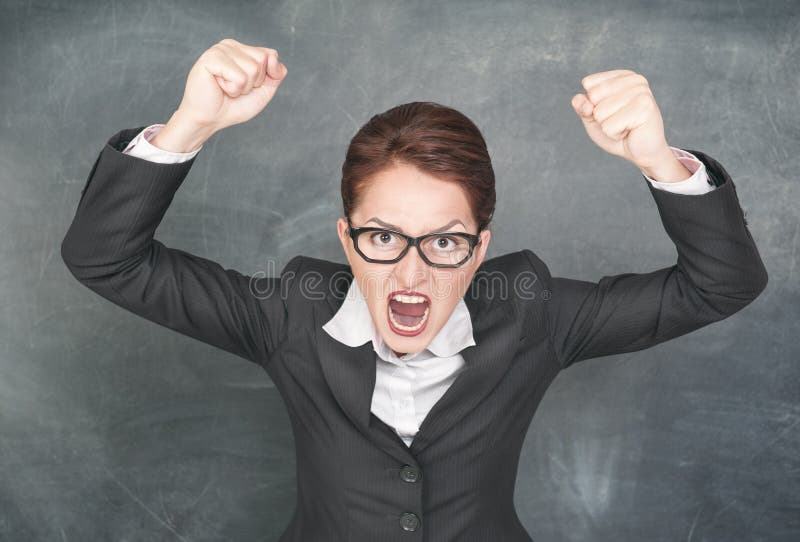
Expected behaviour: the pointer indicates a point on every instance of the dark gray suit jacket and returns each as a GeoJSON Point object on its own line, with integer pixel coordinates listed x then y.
{"type": "Point", "coordinates": [357, 480]}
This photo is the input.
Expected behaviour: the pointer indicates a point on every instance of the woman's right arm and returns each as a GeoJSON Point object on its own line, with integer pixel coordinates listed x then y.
{"type": "Point", "coordinates": [110, 248]}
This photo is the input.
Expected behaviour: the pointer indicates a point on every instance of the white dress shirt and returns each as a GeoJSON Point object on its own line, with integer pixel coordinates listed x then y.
{"type": "Point", "coordinates": [407, 387]}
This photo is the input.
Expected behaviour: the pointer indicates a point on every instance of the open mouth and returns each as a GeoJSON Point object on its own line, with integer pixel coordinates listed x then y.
{"type": "Point", "coordinates": [408, 312]}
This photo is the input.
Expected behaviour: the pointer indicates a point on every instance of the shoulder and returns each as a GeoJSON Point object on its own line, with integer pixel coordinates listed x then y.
{"type": "Point", "coordinates": [317, 265]}
{"type": "Point", "coordinates": [516, 281]}
{"type": "Point", "coordinates": [314, 279]}
{"type": "Point", "coordinates": [511, 263]}
{"type": "Point", "coordinates": [516, 271]}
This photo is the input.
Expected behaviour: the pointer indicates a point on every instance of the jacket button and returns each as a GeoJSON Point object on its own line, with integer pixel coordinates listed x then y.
{"type": "Point", "coordinates": [409, 521]}
{"type": "Point", "coordinates": [410, 474]}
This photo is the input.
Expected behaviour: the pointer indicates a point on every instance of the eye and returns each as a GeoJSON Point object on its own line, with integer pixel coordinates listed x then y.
{"type": "Point", "coordinates": [382, 238]}
{"type": "Point", "coordinates": [444, 243]}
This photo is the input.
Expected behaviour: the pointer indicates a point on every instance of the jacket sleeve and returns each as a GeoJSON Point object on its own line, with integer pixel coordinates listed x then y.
{"type": "Point", "coordinates": [110, 249]}
{"type": "Point", "coordinates": [718, 272]}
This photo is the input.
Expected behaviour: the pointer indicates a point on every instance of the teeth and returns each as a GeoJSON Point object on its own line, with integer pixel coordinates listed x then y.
{"type": "Point", "coordinates": [409, 298]}
{"type": "Point", "coordinates": [409, 328]}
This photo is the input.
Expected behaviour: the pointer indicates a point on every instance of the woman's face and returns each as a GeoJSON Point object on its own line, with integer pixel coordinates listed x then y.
{"type": "Point", "coordinates": [405, 199]}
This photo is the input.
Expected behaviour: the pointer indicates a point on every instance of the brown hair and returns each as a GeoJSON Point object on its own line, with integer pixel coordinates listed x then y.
{"type": "Point", "coordinates": [436, 139]}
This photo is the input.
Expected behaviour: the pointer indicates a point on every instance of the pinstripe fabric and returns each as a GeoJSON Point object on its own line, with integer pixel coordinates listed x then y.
{"type": "Point", "coordinates": [407, 387]}
{"type": "Point", "coordinates": [357, 480]}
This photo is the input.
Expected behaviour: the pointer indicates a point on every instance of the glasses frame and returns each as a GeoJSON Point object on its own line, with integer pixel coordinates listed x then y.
{"type": "Point", "coordinates": [473, 240]}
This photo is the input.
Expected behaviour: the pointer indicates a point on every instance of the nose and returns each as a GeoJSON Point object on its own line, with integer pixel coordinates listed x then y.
{"type": "Point", "coordinates": [411, 268]}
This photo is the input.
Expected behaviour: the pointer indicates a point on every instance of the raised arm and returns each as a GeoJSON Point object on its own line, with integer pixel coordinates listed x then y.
{"type": "Point", "coordinates": [110, 245]}
{"type": "Point", "coordinates": [718, 272]}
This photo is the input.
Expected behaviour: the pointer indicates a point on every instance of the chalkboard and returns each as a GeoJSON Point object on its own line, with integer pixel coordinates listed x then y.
{"type": "Point", "coordinates": [113, 428]}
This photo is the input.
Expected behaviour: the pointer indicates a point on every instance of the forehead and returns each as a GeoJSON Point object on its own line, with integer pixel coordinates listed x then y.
{"type": "Point", "coordinates": [414, 200]}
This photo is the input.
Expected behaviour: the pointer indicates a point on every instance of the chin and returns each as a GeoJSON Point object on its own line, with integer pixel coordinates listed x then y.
{"type": "Point", "coordinates": [404, 346]}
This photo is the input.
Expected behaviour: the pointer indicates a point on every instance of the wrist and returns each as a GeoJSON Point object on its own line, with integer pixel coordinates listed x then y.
{"type": "Point", "coordinates": [667, 169]}
{"type": "Point", "coordinates": [182, 134]}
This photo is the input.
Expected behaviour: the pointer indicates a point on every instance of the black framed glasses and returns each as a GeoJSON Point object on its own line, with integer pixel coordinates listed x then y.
{"type": "Point", "coordinates": [438, 249]}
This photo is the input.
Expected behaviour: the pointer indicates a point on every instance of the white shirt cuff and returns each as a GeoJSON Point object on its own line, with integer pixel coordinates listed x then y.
{"type": "Point", "coordinates": [141, 147]}
{"type": "Point", "coordinates": [697, 184]}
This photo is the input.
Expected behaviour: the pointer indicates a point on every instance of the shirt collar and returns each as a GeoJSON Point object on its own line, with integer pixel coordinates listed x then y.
{"type": "Point", "coordinates": [352, 325]}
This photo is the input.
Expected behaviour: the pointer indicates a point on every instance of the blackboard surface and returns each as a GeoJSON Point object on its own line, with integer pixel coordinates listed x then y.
{"type": "Point", "coordinates": [113, 428]}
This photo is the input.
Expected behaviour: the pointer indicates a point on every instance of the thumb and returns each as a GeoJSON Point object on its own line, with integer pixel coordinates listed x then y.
{"type": "Point", "coordinates": [276, 71]}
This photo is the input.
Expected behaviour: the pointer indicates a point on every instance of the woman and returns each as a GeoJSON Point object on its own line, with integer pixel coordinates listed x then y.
{"type": "Point", "coordinates": [411, 374]}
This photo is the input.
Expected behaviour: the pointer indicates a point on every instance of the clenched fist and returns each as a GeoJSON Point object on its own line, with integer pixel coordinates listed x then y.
{"type": "Point", "coordinates": [229, 84]}
{"type": "Point", "coordinates": [620, 115]}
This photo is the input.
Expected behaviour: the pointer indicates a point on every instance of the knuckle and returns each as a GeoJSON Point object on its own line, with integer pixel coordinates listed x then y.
{"type": "Point", "coordinates": [251, 69]}
{"type": "Point", "coordinates": [239, 78]}
{"type": "Point", "coordinates": [261, 56]}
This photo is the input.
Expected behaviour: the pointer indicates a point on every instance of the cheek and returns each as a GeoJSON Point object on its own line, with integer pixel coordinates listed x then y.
{"type": "Point", "coordinates": [374, 282]}
{"type": "Point", "coordinates": [449, 286]}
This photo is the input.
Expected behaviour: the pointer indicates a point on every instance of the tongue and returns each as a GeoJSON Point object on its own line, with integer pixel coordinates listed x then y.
{"type": "Point", "coordinates": [408, 309]}
{"type": "Point", "coordinates": [407, 320]}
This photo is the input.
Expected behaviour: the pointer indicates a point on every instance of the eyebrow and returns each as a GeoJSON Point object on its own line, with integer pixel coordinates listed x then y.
{"type": "Point", "coordinates": [398, 228]}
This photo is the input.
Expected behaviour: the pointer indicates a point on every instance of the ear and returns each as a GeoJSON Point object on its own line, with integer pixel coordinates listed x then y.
{"type": "Point", "coordinates": [344, 238]}
{"type": "Point", "coordinates": [480, 250]}
{"type": "Point", "coordinates": [341, 230]}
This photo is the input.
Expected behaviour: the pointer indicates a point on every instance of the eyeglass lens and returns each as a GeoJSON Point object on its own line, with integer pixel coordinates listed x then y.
{"type": "Point", "coordinates": [439, 249]}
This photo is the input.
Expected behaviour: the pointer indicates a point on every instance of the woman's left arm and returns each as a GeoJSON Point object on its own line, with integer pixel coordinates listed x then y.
{"type": "Point", "coordinates": [719, 270]}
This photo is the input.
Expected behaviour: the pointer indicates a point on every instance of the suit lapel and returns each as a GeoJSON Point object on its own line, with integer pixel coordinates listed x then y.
{"type": "Point", "coordinates": [496, 330]}
{"type": "Point", "coordinates": [350, 373]}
